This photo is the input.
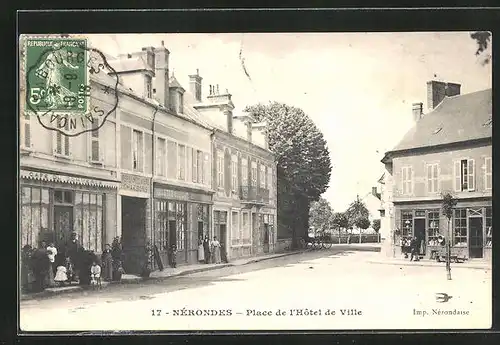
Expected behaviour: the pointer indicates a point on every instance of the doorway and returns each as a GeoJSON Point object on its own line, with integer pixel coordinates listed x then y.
{"type": "Point", "coordinates": [475, 237]}
{"type": "Point", "coordinates": [63, 225]}
{"type": "Point", "coordinates": [133, 233]}
{"type": "Point", "coordinates": [266, 238]}
{"type": "Point", "coordinates": [223, 236]}
{"type": "Point", "coordinates": [419, 233]}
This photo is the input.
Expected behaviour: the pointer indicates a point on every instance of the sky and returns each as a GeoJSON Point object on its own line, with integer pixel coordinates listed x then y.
{"type": "Point", "coordinates": [357, 87]}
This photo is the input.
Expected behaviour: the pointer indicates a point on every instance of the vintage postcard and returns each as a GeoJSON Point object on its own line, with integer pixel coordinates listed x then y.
{"type": "Point", "coordinates": [271, 181]}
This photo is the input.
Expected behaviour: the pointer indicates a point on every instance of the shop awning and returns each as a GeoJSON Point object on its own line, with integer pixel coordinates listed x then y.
{"type": "Point", "coordinates": [72, 180]}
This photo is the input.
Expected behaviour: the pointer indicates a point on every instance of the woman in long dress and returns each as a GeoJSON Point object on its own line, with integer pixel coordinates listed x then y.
{"type": "Point", "coordinates": [206, 249]}
{"type": "Point", "coordinates": [107, 264]}
{"type": "Point", "coordinates": [201, 250]}
{"type": "Point", "coordinates": [216, 250]}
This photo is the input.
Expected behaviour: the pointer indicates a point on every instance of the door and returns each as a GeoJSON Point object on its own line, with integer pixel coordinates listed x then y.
{"type": "Point", "coordinates": [63, 225]}
{"type": "Point", "coordinates": [133, 234]}
{"type": "Point", "coordinates": [419, 233]}
{"type": "Point", "coordinates": [475, 237]}
{"type": "Point", "coordinates": [223, 238]}
{"type": "Point", "coordinates": [266, 238]}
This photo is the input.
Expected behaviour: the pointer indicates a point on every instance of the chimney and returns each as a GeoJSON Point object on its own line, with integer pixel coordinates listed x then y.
{"type": "Point", "coordinates": [195, 85]}
{"type": "Point", "coordinates": [438, 90]}
{"type": "Point", "coordinates": [149, 57]}
{"type": "Point", "coordinates": [417, 110]}
{"type": "Point", "coordinates": [161, 83]}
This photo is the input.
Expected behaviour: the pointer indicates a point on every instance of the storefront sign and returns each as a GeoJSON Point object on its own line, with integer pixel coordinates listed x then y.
{"type": "Point", "coordinates": [171, 194]}
{"type": "Point", "coordinates": [135, 183]}
{"type": "Point", "coordinates": [41, 176]}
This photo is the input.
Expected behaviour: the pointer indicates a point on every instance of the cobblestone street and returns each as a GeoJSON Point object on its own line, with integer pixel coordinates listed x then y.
{"type": "Point", "coordinates": [363, 295]}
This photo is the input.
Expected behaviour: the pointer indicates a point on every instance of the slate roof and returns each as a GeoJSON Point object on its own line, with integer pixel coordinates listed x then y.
{"type": "Point", "coordinates": [135, 63]}
{"type": "Point", "coordinates": [174, 83]}
{"type": "Point", "coordinates": [456, 119]}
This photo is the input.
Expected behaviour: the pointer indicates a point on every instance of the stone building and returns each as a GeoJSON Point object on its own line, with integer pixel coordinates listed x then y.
{"type": "Point", "coordinates": [447, 150]}
{"type": "Point", "coordinates": [69, 183]}
{"type": "Point", "coordinates": [163, 198]}
{"type": "Point", "coordinates": [243, 178]}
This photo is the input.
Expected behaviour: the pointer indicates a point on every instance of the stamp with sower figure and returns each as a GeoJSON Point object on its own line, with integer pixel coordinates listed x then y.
{"type": "Point", "coordinates": [58, 72]}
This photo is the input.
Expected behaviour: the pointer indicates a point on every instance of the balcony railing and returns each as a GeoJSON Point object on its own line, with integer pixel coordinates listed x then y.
{"type": "Point", "coordinates": [254, 194]}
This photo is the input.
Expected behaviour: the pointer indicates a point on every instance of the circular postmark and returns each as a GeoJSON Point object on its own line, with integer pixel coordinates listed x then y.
{"type": "Point", "coordinates": [59, 89]}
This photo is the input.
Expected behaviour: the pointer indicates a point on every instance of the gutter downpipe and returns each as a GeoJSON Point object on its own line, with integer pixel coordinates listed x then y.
{"type": "Point", "coordinates": [151, 185]}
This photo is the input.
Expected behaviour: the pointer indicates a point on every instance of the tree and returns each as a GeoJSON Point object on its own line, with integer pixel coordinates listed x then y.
{"type": "Point", "coordinates": [376, 225]}
{"type": "Point", "coordinates": [340, 221]}
{"type": "Point", "coordinates": [483, 39]}
{"type": "Point", "coordinates": [303, 162]}
{"type": "Point", "coordinates": [320, 215]}
{"type": "Point", "coordinates": [357, 209]}
{"type": "Point", "coordinates": [448, 204]}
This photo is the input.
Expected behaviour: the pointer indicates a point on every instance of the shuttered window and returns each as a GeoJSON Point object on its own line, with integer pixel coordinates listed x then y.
{"type": "Point", "coordinates": [488, 182]}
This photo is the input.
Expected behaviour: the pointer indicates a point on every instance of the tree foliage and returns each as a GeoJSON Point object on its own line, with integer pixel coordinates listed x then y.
{"type": "Point", "coordinates": [357, 210]}
{"type": "Point", "coordinates": [448, 204]}
{"type": "Point", "coordinates": [340, 220]}
{"type": "Point", "coordinates": [362, 223]}
{"type": "Point", "coordinates": [376, 225]}
{"type": "Point", "coordinates": [303, 158]}
{"type": "Point", "coordinates": [321, 215]}
{"type": "Point", "coordinates": [483, 39]}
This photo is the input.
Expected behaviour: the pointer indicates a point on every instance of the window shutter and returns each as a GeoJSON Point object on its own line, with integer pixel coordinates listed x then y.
{"type": "Point", "coordinates": [411, 174]}
{"type": "Point", "coordinates": [429, 178]}
{"type": "Point", "coordinates": [403, 180]}
{"type": "Point", "coordinates": [471, 175]}
{"type": "Point", "coordinates": [487, 173]}
{"type": "Point", "coordinates": [195, 165]}
{"type": "Point", "coordinates": [457, 176]}
{"type": "Point", "coordinates": [206, 169]}
{"type": "Point", "coordinates": [437, 172]}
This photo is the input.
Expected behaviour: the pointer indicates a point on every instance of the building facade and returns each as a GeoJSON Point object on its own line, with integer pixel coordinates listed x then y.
{"type": "Point", "coordinates": [165, 194]}
{"type": "Point", "coordinates": [243, 178]}
{"type": "Point", "coordinates": [449, 149]}
{"type": "Point", "coordinates": [69, 184]}
{"type": "Point", "coordinates": [161, 170]}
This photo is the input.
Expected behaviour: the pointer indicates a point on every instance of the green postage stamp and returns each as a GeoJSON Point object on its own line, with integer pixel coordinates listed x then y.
{"type": "Point", "coordinates": [58, 70]}
{"type": "Point", "coordinates": [56, 75]}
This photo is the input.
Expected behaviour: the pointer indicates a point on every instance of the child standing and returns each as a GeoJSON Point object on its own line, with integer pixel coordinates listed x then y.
{"type": "Point", "coordinates": [95, 273]}
{"type": "Point", "coordinates": [61, 276]}
{"type": "Point", "coordinates": [69, 270]}
{"type": "Point", "coordinates": [173, 256]}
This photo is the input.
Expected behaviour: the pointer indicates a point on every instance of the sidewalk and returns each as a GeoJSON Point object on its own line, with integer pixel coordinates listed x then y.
{"type": "Point", "coordinates": [480, 265]}
{"type": "Point", "coordinates": [157, 276]}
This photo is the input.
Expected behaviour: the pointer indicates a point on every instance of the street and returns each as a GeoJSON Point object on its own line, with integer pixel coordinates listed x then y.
{"type": "Point", "coordinates": [325, 289]}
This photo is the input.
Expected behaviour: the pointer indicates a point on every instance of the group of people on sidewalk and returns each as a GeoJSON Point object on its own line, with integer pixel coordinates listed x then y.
{"type": "Point", "coordinates": [211, 251]}
{"type": "Point", "coordinates": [46, 266]}
{"type": "Point", "coordinates": [411, 245]}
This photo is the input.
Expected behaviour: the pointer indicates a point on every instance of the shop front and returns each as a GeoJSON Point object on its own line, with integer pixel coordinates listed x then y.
{"type": "Point", "coordinates": [182, 216]}
{"type": "Point", "coordinates": [52, 206]}
{"type": "Point", "coordinates": [470, 228]}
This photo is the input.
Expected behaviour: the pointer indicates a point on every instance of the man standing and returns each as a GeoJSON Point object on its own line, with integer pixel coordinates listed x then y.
{"type": "Point", "coordinates": [414, 248]}
{"type": "Point", "coordinates": [73, 251]}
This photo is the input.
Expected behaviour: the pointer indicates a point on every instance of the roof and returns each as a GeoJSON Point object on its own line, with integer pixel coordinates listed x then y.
{"type": "Point", "coordinates": [174, 83]}
{"type": "Point", "coordinates": [135, 63]}
{"type": "Point", "coordinates": [456, 119]}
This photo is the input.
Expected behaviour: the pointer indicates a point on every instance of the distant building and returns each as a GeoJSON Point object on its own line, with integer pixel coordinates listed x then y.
{"type": "Point", "coordinates": [447, 149]}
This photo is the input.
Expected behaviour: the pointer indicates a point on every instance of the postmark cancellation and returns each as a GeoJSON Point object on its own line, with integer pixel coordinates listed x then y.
{"type": "Point", "coordinates": [56, 76]}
